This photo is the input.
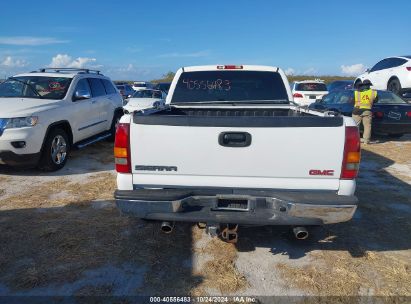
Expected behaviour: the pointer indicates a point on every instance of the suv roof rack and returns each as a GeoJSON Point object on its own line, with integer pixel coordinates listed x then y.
{"type": "Point", "coordinates": [58, 70]}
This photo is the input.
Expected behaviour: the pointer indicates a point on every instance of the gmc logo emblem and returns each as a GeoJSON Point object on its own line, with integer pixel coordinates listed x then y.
{"type": "Point", "coordinates": [322, 172]}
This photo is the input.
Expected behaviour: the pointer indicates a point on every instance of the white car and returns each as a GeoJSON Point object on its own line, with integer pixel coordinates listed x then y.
{"type": "Point", "coordinates": [392, 74]}
{"type": "Point", "coordinates": [44, 113]}
{"type": "Point", "coordinates": [143, 99]}
{"type": "Point", "coordinates": [308, 91]}
{"type": "Point", "coordinates": [140, 85]}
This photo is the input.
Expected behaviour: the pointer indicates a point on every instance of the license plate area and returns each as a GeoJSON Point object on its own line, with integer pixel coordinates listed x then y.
{"type": "Point", "coordinates": [313, 97]}
{"type": "Point", "coordinates": [232, 204]}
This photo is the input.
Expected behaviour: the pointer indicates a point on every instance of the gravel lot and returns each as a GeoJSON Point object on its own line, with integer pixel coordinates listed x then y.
{"type": "Point", "coordinates": [60, 234]}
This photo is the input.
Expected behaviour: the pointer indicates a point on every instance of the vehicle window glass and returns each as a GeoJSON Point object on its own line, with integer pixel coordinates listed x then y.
{"type": "Point", "coordinates": [83, 87]}
{"type": "Point", "coordinates": [389, 98]}
{"type": "Point", "coordinates": [328, 99]}
{"type": "Point", "coordinates": [204, 86]}
{"type": "Point", "coordinates": [157, 94]}
{"type": "Point", "coordinates": [138, 94]}
{"type": "Point", "coordinates": [97, 87]}
{"type": "Point", "coordinates": [35, 87]}
{"type": "Point", "coordinates": [379, 66]}
{"type": "Point", "coordinates": [344, 97]}
{"type": "Point", "coordinates": [395, 62]}
{"type": "Point", "coordinates": [109, 86]}
{"type": "Point", "coordinates": [307, 86]}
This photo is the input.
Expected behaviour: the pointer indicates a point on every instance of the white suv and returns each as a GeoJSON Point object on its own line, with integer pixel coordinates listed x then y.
{"type": "Point", "coordinates": [45, 112]}
{"type": "Point", "coordinates": [308, 91]}
{"type": "Point", "coordinates": [393, 74]}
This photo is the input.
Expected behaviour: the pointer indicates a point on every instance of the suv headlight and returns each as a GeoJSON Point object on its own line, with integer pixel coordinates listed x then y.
{"type": "Point", "coordinates": [20, 122]}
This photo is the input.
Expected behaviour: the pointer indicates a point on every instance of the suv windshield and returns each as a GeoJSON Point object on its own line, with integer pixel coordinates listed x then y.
{"type": "Point", "coordinates": [315, 86]}
{"type": "Point", "coordinates": [235, 86]}
{"type": "Point", "coordinates": [35, 87]}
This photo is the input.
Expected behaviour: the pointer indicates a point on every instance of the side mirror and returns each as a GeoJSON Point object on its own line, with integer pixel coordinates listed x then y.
{"type": "Point", "coordinates": [367, 70]}
{"type": "Point", "coordinates": [81, 95]}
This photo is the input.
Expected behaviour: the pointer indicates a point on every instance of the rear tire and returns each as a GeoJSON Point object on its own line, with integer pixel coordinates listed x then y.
{"type": "Point", "coordinates": [394, 86]}
{"type": "Point", "coordinates": [55, 151]}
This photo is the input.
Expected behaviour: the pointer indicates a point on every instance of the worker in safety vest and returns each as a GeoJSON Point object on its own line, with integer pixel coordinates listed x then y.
{"type": "Point", "coordinates": [364, 98]}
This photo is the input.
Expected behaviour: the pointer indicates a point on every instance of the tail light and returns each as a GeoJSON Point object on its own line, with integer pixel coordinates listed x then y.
{"type": "Point", "coordinates": [298, 95]}
{"type": "Point", "coordinates": [122, 148]}
{"type": "Point", "coordinates": [230, 67]}
{"type": "Point", "coordinates": [409, 114]}
{"type": "Point", "coordinates": [409, 68]}
{"type": "Point", "coordinates": [352, 153]}
{"type": "Point", "coordinates": [378, 114]}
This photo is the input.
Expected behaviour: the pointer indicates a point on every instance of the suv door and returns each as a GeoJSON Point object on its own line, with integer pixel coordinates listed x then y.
{"type": "Point", "coordinates": [83, 117]}
{"type": "Point", "coordinates": [99, 104]}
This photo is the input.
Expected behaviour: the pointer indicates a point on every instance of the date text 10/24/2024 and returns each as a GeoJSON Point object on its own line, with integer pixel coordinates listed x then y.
{"type": "Point", "coordinates": [217, 84]}
{"type": "Point", "coordinates": [204, 299]}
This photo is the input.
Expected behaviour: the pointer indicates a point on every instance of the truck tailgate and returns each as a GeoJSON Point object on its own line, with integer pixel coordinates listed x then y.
{"type": "Point", "coordinates": [283, 152]}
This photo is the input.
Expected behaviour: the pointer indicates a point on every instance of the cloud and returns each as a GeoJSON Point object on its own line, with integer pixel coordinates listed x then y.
{"type": "Point", "coordinates": [28, 40]}
{"type": "Point", "coordinates": [353, 70]}
{"type": "Point", "coordinates": [310, 71]}
{"type": "Point", "coordinates": [198, 54]}
{"type": "Point", "coordinates": [289, 71]}
{"type": "Point", "coordinates": [66, 61]}
{"type": "Point", "coordinates": [10, 62]}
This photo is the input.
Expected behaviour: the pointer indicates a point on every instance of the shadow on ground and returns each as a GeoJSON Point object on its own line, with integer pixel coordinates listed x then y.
{"type": "Point", "coordinates": [381, 223]}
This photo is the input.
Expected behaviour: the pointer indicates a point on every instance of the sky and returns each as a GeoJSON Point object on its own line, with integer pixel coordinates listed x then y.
{"type": "Point", "coordinates": [142, 40]}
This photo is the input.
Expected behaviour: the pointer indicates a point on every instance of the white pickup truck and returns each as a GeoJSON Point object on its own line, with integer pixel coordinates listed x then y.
{"type": "Point", "coordinates": [229, 148]}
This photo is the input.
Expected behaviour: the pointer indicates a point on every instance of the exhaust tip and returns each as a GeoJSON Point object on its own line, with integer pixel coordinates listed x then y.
{"type": "Point", "coordinates": [300, 233]}
{"type": "Point", "coordinates": [167, 227]}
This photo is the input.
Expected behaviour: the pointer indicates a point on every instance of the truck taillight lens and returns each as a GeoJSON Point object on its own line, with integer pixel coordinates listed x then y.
{"type": "Point", "coordinates": [409, 114]}
{"type": "Point", "coordinates": [122, 148]}
{"type": "Point", "coordinates": [409, 69]}
{"type": "Point", "coordinates": [352, 153]}
{"type": "Point", "coordinates": [298, 95]}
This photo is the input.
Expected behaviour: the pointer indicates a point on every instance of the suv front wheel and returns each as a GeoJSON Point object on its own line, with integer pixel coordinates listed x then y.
{"type": "Point", "coordinates": [55, 150]}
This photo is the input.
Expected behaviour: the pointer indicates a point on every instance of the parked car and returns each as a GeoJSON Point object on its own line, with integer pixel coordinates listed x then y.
{"type": "Point", "coordinates": [163, 86]}
{"type": "Point", "coordinates": [392, 114]}
{"type": "Point", "coordinates": [307, 91]}
{"type": "Point", "coordinates": [339, 85]}
{"type": "Point", "coordinates": [46, 112]}
{"type": "Point", "coordinates": [392, 74]}
{"type": "Point", "coordinates": [141, 85]}
{"type": "Point", "coordinates": [143, 99]}
{"type": "Point", "coordinates": [125, 90]}
{"type": "Point", "coordinates": [225, 150]}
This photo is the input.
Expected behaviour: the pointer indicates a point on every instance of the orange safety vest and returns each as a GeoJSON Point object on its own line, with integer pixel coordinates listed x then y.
{"type": "Point", "coordinates": [365, 99]}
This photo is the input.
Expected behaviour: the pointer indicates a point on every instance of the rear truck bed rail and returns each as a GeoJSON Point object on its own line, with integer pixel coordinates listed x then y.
{"type": "Point", "coordinates": [239, 206]}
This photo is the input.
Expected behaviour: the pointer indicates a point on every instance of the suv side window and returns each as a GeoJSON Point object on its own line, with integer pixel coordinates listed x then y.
{"type": "Point", "coordinates": [97, 87]}
{"type": "Point", "coordinates": [83, 86]}
{"type": "Point", "coordinates": [395, 62]}
{"type": "Point", "coordinates": [379, 66]}
{"type": "Point", "coordinates": [108, 86]}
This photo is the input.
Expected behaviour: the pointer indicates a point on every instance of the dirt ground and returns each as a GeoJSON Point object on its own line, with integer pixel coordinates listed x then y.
{"type": "Point", "coordinates": [60, 234]}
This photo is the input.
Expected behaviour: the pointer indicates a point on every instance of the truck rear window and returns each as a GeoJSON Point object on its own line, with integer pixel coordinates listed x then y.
{"type": "Point", "coordinates": [236, 86]}
{"type": "Point", "coordinates": [311, 87]}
